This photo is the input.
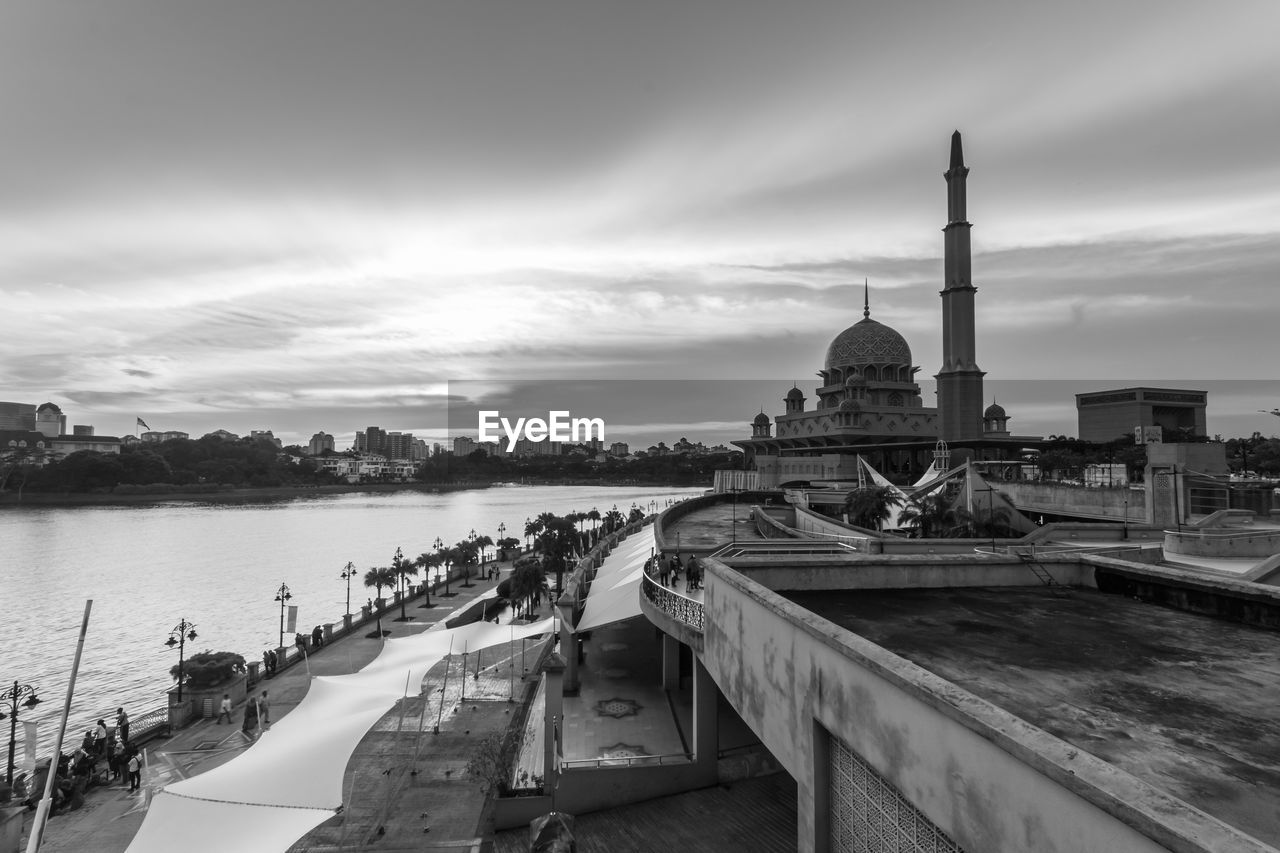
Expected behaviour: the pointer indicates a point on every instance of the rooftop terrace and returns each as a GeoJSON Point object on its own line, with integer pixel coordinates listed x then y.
{"type": "Point", "coordinates": [1184, 702]}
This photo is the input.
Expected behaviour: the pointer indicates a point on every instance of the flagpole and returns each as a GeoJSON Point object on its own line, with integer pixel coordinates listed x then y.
{"type": "Point", "coordinates": [42, 812]}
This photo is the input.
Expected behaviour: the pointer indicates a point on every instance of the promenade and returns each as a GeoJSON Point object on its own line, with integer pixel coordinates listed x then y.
{"type": "Point", "coordinates": [405, 784]}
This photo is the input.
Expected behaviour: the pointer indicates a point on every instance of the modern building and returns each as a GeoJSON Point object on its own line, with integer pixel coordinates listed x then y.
{"type": "Point", "coordinates": [320, 442]}
{"type": "Point", "coordinates": [82, 430]}
{"type": "Point", "coordinates": [17, 416]}
{"type": "Point", "coordinates": [399, 445]}
{"type": "Point", "coordinates": [464, 446]}
{"type": "Point", "coordinates": [371, 440]}
{"type": "Point", "coordinates": [1110, 415]}
{"type": "Point", "coordinates": [265, 435]}
{"type": "Point", "coordinates": [157, 436]}
{"type": "Point", "coordinates": [50, 420]}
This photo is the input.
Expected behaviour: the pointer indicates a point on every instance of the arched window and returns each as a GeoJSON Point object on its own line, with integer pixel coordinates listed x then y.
{"type": "Point", "coordinates": [895, 399]}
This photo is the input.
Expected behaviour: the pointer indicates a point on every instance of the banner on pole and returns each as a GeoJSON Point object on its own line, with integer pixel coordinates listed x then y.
{"type": "Point", "coordinates": [30, 734]}
{"type": "Point", "coordinates": [292, 627]}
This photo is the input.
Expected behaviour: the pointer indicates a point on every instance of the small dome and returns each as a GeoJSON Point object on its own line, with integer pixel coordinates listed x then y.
{"type": "Point", "coordinates": [49, 407]}
{"type": "Point", "coordinates": [795, 394]}
{"type": "Point", "coordinates": [850, 406]}
{"type": "Point", "coordinates": [761, 419]}
{"type": "Point", "coordinates": [856, 380]}
{"type": "Point", "coordinates": [867, 342]}
{"type": "Point", "coordinates": [995, 410]}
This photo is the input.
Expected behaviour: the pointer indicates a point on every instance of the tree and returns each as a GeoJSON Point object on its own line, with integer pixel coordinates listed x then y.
{"type": "Point", "coordinates": [613, 520]}
{"type": "Point", "coordinates": [492, 762]}
{"type": "Point", "coordinates": [427, 561]}
{"type": "Point", "coordinates": [929, 517]}
{"type": "Point", "coordinates": [403, 569]}
{"type": "Point", "coordinates": [872, 506]}
{"type": "Point", "coordinates": [528, 585]}
{"type": "Point", "coordinates": [379, 577]}
{"type": "Point", "coordinates": [209, 669]}
{"type": "Point", "coordinates": [483, 542]}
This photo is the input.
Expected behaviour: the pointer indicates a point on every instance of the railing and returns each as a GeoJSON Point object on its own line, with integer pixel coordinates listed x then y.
{"type": "Point", "coordinates": [1200, 533]}
{"type": "Point", "coordinates": [150, 724]}
{"type": "Point", "coordinates": [679, 607]}
{"type": "Point", "coordinates": [628, 761]}
{"type": "Point", "coordinates": [788, 547]}
{"type": "Point", "coordinates": [1033, 550]}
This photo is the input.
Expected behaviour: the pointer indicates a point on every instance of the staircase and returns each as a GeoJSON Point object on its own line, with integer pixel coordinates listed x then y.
{"type": "Point", "coordinates": [1042, 574]}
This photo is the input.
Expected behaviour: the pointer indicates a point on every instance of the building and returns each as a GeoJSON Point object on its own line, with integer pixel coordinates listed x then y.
{"type": "Point", "coordinates": [371, 440]}
{"type": "Point", "coordinates": [1110, 415]}
{"type": "Point", "coordinates": [222, 434]}
{"type": "Point", "coordinates": [81, 430]}
{"type": "Point", "coordinates": [50, 420]}
{"type": "Point", "coordinates": [619, 448]}
{"type": "Point", "coordinates": [157, 436]}
{"type": "Point", "coordinates": [265, 435]}
{"type": "Point", "coordinates": [398, 445]}
{"type": "Point", "coordinates": [17, 416]}
{"type": "Point", "coordinates": [320, 442]}
{"type": "Point", "coordinates": [869, 403]}
{"type": "Point", "coordinates": [464, 446]}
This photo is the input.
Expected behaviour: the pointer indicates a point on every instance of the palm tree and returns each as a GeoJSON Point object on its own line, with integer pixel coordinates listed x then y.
{"type": "Point", "coordinates": [871, 507]}
{"type": "Point", "coordinates": [612, 520]}
{"type": "Point", "coordinates": [427, 561]}
{"type": "Point", "coordinates": [380, 577]}
{"type": "Point", "coordinates": [528, 585]}
{"type": "Point", "coordinates": [482, 542]}
{"type": "Point", "coordinates": [929, 517]}
{"type": "Point", "coordinates": [403, 568]}
{"type": "Point", "coordinates": [532, 527]}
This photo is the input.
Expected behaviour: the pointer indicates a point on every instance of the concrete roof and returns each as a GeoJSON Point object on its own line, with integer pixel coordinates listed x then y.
{"type": "Point", "coordinates": [1186, 703]}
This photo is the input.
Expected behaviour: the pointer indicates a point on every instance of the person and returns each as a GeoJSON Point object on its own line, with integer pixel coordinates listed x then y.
{"type": "Point", "coordinates": [100, 739]}
{"type": "Point", "coordinates": [664, 573]}
{"type": "Point", "coordinates": [275, 661]}
{"type": "Point", "coordinates": [317, 637]}
{"type": "Point", "coordinates": [250, 725]}
{"type": "Point", "coordinates": [264, 711]}
{"type": "Point", "coordinates": [300, 640]}
{"type": "Point", "coordinates": [135, 771]}
{"type": "Point", "coordinates": [122, 725]}
{"type": "Point", "coordinates": [224, 710]}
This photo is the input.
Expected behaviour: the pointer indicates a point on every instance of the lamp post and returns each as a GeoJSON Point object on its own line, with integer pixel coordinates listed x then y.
{"type": "Point", "coordinates": [347, 574]}
{"type": "Point", "coordinates": [13, 696]}
{"type": "Point", "coordinates": [502, 531]}
{"type": "Point", "coordinates": [466, 580]}
{"type": "Point", "coordinates": [181, 632]}
{"type": "Point", "coordinates": [528, 522]}
{"type": "Point", "coordinates": [282, 596]}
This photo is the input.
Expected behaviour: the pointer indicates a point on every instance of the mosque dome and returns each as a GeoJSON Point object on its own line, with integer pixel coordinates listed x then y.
{"type": "Point", "coordinates": [995, 410]}
{"type": "Point", "coordinates": [795, 394]}
{"type": "Point", "coordinates": [49, 407]}
{"type": "Point", "coordinates": [867, 342]}
{"type": "Point", "coordinates": [850, 406]}
{"type": "Point", "coordinates": [761, 419]}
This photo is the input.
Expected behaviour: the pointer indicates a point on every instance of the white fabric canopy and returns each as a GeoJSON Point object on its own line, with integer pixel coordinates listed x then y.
{"type": "Point", "coordinates": [892, 522]}
{"type": "Point", "coordinates": [290, 780]}
{"type": "Point", "coordinates": [615, 593]}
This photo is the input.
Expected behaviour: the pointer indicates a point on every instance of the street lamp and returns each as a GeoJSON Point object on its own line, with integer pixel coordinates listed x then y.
{"type": "Point", "coordinates": [181, 632]}
{"type": "Point", "coordinates": [13, 696]}
{"type": "Point", "coordinates": [282, 596]}
{"type": "Point", "coordinates": [528, 523]}
{"type": "Point", "coordinates": [502, 534]}
{"type": "Point", "coordinates": [347, 574]}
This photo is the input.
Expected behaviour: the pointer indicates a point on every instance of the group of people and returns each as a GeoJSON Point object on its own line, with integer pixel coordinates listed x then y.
{"type": "Point", "coordinates": [79, 771]}
{"type": "Point", "coordinates": [316, 640]}
{"type": "Point", "coordinates": [666, 571]}
{"type": "Point", "coordinates": [257, 714]}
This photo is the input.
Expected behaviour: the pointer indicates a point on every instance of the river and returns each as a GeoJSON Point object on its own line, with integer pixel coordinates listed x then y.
{"type": "Point", "coordinates": [147, 567]}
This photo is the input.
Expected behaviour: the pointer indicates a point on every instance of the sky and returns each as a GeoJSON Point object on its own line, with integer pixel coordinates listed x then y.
{"type": "Point", "coordinates": [324, 215]}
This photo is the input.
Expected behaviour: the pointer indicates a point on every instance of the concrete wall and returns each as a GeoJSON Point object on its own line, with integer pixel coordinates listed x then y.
{"type": "Point", "coordinates": [1231, 542]}
{"type": "Point", "coordinates": [856, 571]}
{"type": "Point", "coordinates": [989, 780]}
{"type": "Point", "coordinates": [1103, 502]}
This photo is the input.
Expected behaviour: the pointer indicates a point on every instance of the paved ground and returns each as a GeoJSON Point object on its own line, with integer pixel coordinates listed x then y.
{"type": "Point", "coordinates": [714, 525]}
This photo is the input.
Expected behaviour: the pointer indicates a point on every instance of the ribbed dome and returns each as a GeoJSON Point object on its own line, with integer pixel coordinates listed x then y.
{"type": "Point", "coordinates": [868, 342]}
{"type": "Point", "coordinates": [49, 407]}
{"type": "Point", "coordinates": [761, 419]}
{"type": "Point", "coordinates": [850, 406]}
{"type": "Point", "coordinates": [995, 410]}
{"type": "Point", "coordinates": [795, 394]}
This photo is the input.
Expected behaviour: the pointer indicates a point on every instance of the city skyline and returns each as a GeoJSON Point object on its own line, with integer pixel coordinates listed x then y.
{"type": "Point", "coordinates": [317, 216]}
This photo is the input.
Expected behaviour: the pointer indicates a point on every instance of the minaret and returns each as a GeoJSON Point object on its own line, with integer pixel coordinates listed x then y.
{"type": "Point", "coordinates": [959, 380]}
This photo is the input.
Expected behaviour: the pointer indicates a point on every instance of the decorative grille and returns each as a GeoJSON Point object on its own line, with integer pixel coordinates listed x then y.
{"type": "Point", "coordinates": [870, 815]}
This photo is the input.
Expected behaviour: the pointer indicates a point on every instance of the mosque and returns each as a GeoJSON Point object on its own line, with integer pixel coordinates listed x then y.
{"type": "Point", "coordinates": [869, 404]}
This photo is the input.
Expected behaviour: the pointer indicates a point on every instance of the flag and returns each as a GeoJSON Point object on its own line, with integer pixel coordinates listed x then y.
{"type": "Point", "coordinates": [143, 424]}
{"type": "Point", "coordinates": [293, 618]}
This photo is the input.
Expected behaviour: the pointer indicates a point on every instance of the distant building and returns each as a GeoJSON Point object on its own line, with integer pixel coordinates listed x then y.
{"type": "Point", "coordinates": [619, 448]}
{"type": "Point", "coordinates": [18, 416]}
{"type": "Point", "coordinates": [1109, 415]}
{"type": "Point", "coordinates": [222, 434]}
{"type": "Point", "coordinates": [398, 445]}
{"type": "Point", "coordinates": [266, 434]}
{"type": "Point", "coordinates": [82, 430]}
{"type": "Point", "coordinates": [320, 442]}
{"type": "Point", "coordinates": [371, 440]}
{"type": "Point", "coordinates": [464, 446]}
{"type": "Point", "coordinates": [50, 420]}
{"type": "Point", "coordinates": [67, 444]}
{"type": "Point", "coordinates": [156, 436]}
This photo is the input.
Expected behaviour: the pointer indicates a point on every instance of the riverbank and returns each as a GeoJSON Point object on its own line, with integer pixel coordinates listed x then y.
{"type": "Point", "coordinates": [249, 495]}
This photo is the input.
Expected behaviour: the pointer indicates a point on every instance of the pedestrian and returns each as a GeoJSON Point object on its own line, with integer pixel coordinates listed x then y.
{"type": "Point", "coordinates": [664, 574]}
{"type": "Point", "coordinates": [264, 711]}
{"type": "Point", "coordinates": [224, 710]}
{"type": "Point", "coordinates": [135, 771]}
{"type": "Point", "coordinates": [122, 725]}
{"type": "Point", "coordinates": [100, 740]}
{"type": "Point", "coordinates": [300, 640]}
{"type": "Point", "coordinates": [317, 637]}
{"type": "Point", "coordinates": [275, 661]}
{"type": "Point", "coordinates": [250, 725]}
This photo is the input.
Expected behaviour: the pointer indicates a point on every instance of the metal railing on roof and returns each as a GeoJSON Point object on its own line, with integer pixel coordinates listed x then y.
{"type": "Point", "coordinates": [682, 608]}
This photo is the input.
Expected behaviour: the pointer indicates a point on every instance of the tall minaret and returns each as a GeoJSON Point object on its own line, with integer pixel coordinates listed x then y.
{"type": "Point", "coordinates": [959, 380]}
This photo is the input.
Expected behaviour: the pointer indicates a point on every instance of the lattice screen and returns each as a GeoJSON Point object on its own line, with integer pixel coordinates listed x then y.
{"type": "Point", "coordinates": [870, 815]}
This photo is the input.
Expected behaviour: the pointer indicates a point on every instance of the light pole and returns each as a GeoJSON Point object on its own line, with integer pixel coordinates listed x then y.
{"type": "Point", "coordinates": [528, 523]}
{"type": "Point", "coordinates": [347, 574]}
{"type": "Point", "coordinates": [13, 696]}
{"type": "Point", "coordinates": [181, 632]}
{"type": "Point", "coordinates": [502, 531]}
{"type": "Point", "coordinates": [466, 580]}
{"type": "Point", "coordinates": [282, 596]}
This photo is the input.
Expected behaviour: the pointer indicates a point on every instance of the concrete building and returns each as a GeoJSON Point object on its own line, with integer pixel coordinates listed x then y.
{"type": "Point", "coordinates": [1109, 415]}
{"type": "Point", "coordinates": [320, 442]}
{"type": "Point", "coordinates": [157, 436]}
{"type": "Point", "coordinates": [265, 435]}
{"type": "Point", "coordinates": [17, 416]}
{"type": "Point", "coordinates": [399, 446]}
{"type": "Point", "coordinates": [82, 430]}
{"type": "Point", "coordinates": [50, 420]}
{"type": "Point", "coordinates": [464, 446]}
{"type": "Point", "coordinates": [371, 440]}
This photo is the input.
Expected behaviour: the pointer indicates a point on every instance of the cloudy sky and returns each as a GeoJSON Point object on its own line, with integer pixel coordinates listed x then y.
{"type": "Point", "coordinates": [316, 215]}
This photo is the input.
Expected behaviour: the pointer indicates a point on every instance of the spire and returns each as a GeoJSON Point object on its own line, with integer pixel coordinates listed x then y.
{"type": "Point", "coordinates": [866, 300]}
{"type": "Point", "coordinates": [957, 155]}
